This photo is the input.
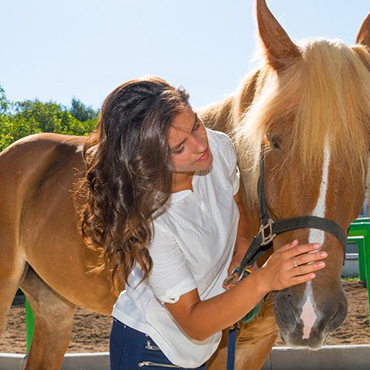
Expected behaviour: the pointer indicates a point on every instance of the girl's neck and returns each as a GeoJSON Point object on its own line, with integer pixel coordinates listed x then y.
{"type": "Point", "coordinates": [182, 181]}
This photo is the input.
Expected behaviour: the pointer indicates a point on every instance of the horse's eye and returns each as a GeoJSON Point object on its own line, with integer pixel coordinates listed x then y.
{"type": "Point", "coordinates": [274, 142]}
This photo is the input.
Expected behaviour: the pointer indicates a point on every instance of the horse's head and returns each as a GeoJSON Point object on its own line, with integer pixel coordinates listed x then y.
{"type": "Point", "coordinates": [311, 110]}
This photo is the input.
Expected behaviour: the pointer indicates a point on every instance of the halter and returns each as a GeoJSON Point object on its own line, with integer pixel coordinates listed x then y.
{"type": "Point", "coordinates": [270, 229]}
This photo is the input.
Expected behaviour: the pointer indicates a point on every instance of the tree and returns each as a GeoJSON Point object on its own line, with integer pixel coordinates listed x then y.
{"type": "Point", "coordinates": [23, 118]}
{"type": "Point", "coordinates": [14, 128]}
{"type": "Point", "coordinates": [81, 112]}
{"type": "Point", "coordinates": [4, 104]}
{"type": "Point", "coordinates": [53, 117]}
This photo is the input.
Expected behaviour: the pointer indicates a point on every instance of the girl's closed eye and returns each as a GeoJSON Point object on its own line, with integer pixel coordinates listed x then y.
{"type": "Point", "coordinates": [179, 151]}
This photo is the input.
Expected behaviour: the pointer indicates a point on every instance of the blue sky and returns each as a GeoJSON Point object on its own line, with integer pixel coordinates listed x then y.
{"type": "Point", "coordinates": [56, 50]}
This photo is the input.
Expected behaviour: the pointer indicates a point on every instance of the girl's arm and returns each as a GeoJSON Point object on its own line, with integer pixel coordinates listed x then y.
{"type": "Point", "coordinates": [201, 319]}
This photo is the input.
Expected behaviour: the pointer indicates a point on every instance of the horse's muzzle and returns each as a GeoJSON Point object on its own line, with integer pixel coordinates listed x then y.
{"type": "Point", "coordinates": [301, 329]}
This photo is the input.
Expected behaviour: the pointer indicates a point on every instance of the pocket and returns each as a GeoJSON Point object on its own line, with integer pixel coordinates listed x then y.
{"type": "Point", "coordinates": [153, 358]}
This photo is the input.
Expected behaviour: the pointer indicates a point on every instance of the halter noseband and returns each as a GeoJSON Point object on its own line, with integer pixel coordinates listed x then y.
{"type": "Point", "coordinates": [270, 229]}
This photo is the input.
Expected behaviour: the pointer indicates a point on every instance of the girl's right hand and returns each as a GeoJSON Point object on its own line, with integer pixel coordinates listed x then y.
{"type": "Point", "coordinates": [292, 264]}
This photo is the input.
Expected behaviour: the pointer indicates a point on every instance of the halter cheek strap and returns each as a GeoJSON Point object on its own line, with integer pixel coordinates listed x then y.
{"type": "Point", "coordinates": [270, 229]}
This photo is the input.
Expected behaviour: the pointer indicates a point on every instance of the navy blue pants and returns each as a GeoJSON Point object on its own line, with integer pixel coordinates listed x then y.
{"type": "Point", "coordinates": [130, 349]}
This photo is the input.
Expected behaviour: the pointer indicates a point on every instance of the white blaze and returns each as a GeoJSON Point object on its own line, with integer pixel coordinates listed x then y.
{"type": "Point", "coordinates": [309, 315]}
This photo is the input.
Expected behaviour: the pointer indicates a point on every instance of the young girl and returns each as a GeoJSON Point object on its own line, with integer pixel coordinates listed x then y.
{"type": "Point", "coordinates": [164, 204]}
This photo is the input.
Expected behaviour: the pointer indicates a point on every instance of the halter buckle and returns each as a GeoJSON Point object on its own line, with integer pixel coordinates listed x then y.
{"type": "Point", "coordinates": [266, 232]}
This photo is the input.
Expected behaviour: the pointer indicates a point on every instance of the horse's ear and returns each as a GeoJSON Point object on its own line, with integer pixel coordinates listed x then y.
{"type": "Point", "coordinates": [279, 48]}
{"type": "Point", "coordinates": [363, 36]}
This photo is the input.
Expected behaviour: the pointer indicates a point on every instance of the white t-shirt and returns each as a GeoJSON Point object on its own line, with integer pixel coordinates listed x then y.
{"type": "Point", "coordinates": [192, 249]}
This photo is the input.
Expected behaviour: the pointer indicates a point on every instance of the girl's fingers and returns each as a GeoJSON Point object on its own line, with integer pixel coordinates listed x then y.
{"type": "Point", "coordinates": [303, 278]}
{"type": "Point", "coordinates": [310, 257]}
{"type": "Point", "coordinates": [306, 269]}
{"type": "Point", "coordinates": [291, 245]}
{"type": "Point", "coordinates": [300, 249]}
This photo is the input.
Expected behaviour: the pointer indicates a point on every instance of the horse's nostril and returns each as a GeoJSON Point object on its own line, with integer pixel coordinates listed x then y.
{"type": "Point", "coordinates": [285, 310]}
{"type": "Point", "coordinates": [339, 315]}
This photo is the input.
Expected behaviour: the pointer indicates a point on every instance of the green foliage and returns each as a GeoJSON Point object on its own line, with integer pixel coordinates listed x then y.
{"type": "Point", "coordinates": [3, 101]}
{"type": "Point", "coordinates": [14, 128]}
{"type": "Point", "coordinates": [19, 119]}
{"type": "Point", "coordinates": [81, 112]}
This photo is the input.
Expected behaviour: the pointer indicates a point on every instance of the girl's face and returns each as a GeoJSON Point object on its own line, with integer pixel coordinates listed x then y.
{"type": "Point", "coordinates": [188, 141]}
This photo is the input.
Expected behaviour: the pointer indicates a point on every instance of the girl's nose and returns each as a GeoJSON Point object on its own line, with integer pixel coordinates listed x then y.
{"type": "Point", "coordinates": [200, 141]}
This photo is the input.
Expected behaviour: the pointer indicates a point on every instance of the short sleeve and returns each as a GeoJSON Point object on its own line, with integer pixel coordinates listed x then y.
{"type": "Point", "coordinates": [228, 153]}
{"type": "Point", "coordinates": [170, 277]}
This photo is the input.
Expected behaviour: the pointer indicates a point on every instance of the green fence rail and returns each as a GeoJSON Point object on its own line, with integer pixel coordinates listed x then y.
{"type": "Point", "coordinates": [360, 228]}
{"type": "Point", "coordinates": [360, 241]}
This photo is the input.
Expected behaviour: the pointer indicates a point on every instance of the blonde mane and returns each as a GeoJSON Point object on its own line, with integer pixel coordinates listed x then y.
{"type": "Point", "coordinates": [324, 95]}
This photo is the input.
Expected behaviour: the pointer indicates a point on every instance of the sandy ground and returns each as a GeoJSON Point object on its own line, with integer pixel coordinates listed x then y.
{"type": "Point", "coordinates": [91, 331]}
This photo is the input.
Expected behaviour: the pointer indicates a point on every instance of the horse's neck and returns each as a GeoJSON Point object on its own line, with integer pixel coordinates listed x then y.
{"type": "Point", "coordinates": [226, 115]}
{"type": "Point", "coordinates": [216, 116]}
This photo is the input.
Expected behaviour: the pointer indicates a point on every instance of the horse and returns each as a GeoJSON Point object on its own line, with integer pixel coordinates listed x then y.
{"type": "Point", "coordinates": [307, 104]}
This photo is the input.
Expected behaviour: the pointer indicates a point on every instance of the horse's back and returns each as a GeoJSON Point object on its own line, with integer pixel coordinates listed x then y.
{"type": "Point", "coordinates": [32, 153]}
{"type": "Point", "coordinates": [26, 163]}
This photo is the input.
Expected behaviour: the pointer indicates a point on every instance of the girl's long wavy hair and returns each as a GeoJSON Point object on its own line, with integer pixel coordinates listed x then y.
{"type": "Point", "coordinates": [128, 173]}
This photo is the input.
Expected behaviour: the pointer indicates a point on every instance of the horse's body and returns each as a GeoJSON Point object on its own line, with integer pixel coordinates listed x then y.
{"type": "Point", "coordinates": [42, 251]}
{"type": "Point", "coordinates": [318, 93]}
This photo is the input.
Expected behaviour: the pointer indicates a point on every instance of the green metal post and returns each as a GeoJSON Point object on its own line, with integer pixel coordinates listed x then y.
{"type": "Point", "coordinates": [363, 229]}
{"type": "Point", "coordinates": [30, 322]}
{"type": "Point", "coordinates": [360, 241]}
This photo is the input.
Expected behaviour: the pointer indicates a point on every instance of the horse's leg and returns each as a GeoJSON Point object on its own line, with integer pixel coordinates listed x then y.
{"type": "Point", "coordinates": [219, 359]}
{"type": "Point", "coordinates": [12, 270]}
{"type": "Point", "coordinates": [53, 323]}
{"type": "Point", "coordinates": [248, 356]}
{"type": "Point", "coordinates": [256, 339]}
{"type": "Point", "coordinates": [252, 357]}
{"type": "Point", "coordinates": [254, 344]}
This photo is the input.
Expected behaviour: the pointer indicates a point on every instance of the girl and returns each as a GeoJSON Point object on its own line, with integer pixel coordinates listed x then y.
{"type": "Point", "coordinates": [164, 205]}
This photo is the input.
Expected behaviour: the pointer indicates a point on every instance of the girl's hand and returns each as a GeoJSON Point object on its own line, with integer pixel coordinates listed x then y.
{"type": "Point", "coordinates": [291, 265]}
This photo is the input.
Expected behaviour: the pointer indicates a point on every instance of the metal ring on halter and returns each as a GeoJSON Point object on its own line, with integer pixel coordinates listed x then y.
{"type": "Point", "coordinates": [295, 262]}
{"type": "Point", "coordinates": [233, 278]}
{"type": "Point", "coordinates": [237, 276]}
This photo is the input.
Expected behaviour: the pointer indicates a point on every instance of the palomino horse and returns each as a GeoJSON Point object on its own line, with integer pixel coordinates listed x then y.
{"type": "Point", "coordinates": [308, 104]}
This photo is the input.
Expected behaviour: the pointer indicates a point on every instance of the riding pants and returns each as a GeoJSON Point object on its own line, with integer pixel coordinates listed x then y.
{"type": "Point", "coordinates": [131, 349]}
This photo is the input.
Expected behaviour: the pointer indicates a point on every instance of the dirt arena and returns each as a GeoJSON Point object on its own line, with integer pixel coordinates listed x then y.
{"type": "Point", "coordinates": [91, 331]}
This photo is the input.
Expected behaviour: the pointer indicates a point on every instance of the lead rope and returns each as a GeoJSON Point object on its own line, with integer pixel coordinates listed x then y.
{"type": "Point", "coordinates": [231, 347]}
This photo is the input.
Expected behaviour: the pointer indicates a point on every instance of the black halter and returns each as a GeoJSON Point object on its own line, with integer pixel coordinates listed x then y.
{"type": "Point", "coordinates": [270, 229]}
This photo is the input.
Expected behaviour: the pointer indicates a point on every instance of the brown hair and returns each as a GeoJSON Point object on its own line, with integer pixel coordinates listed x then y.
{"type": "Point", "coordinates": [128, 172]}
